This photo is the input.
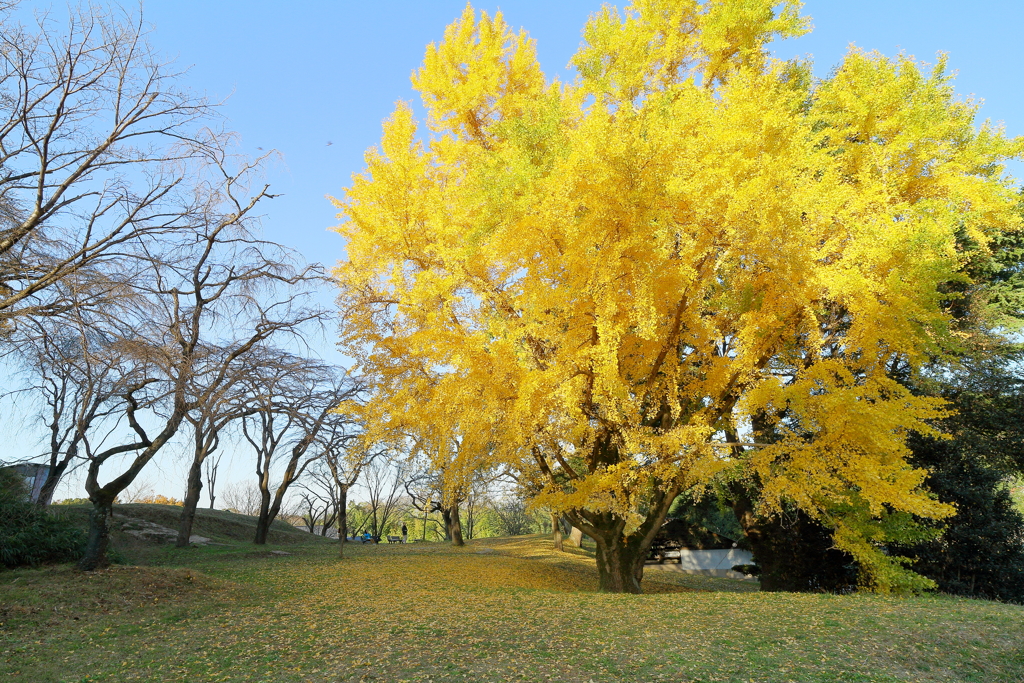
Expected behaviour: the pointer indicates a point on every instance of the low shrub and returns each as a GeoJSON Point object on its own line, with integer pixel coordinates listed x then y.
{"type": "Point", "coordinates": [30, 534]}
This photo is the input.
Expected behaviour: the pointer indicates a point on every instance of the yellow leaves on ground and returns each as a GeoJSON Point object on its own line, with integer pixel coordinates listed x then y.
{"type": "Point", "coordinates": [498, 610]}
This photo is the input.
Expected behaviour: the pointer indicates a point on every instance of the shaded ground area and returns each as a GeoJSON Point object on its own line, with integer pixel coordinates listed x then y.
{"type": "Point", "coordinates": [497, 610]}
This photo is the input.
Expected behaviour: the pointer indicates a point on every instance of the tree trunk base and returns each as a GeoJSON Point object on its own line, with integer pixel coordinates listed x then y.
{"type": "Point", "coordinates": [99, 537]}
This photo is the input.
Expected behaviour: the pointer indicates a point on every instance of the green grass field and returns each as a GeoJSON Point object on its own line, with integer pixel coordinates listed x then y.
{"type": "Point", "coordinates": [496, 610]}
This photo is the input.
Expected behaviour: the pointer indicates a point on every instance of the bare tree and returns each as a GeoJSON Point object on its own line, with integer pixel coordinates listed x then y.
{"type": "Point", "coordinates": [114, 186]}
{"type": "Point", "coordinates": [296, 402]}
{"type": "Point", "coordinates": [513, 520]}
{"type": "Point", "coordinates": [330, 478]}
{"type": "Point", "coordinates": [384, 478]}
{"type": "Point", "coordinates": [321, 494]}
{"type": "Point", "coordinates": [212, 465]}
{"type": "Point", "coordinates": [96, 142]}
{"type": "Point", "coordinates": [242, 498]}
{"type": "Point", "coordinates": [345, 459]}
{"type": "Point", "coordinates": [217, 408]}
{"type": "Point", "coordinates": [220, 396]}
{"type": "Point", "coordinates": [74, 373]}
{"type": "Point", "coordinates": [188, 286]}
{"type": "Point", "coordinates": [145, 388]}
{"type": "Point", "coordinates": [316, 509]}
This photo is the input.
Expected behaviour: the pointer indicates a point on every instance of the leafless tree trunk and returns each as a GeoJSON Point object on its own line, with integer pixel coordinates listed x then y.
{"type": "Point", "coordinates": [70, 368]}
{"type": "Point", "coordinates": [144, 447]}
{"type": "Point", "coordinates": [212, 465]}
{"type": "Point", "coordinates": [313, 506]}
{"type": "Point", "coordinates": [345, 466]}
{"type": "Point", "coordinates": [217, 380]}
{"type": "Point", "coordinates": [89, 108]}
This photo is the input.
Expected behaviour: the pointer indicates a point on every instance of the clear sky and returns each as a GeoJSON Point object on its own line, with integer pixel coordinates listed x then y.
{"type": "Point", "coordinates": [300, 75]}
{"type": "Point", "coordinates": [314, 79]}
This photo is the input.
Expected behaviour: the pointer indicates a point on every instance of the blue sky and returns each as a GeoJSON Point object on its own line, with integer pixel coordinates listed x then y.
{"type": "Point", "coordinates": [297, 76]}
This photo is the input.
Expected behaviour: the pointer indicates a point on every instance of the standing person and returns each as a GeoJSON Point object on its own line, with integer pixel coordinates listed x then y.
{"type": "Point", "coordinates": [405, 533]}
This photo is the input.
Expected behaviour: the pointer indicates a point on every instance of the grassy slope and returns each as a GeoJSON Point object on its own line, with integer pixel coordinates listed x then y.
{"type": "Point", "coordinates": [497, 610]}
{"type": "Point", "coordinates": [220, 526]}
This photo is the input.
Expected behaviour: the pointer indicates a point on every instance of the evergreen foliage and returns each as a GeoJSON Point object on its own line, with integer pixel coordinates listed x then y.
{"type": "Point", "coordinates": [792, 552]}
{"type": "Point", "coordinates": [29, 534]}
{"type": "Point", "coordinates": [981, 553]}
{"type": "Point", "coordinates": [708, 512]}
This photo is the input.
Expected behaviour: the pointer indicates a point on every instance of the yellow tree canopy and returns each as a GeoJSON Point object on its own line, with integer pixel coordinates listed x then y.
{"type": "Point", "coordinates": [613, 280]}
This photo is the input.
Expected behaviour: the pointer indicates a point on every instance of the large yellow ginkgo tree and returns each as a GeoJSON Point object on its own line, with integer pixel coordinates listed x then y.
{"type": "Point", "coordinates": [623, 283]}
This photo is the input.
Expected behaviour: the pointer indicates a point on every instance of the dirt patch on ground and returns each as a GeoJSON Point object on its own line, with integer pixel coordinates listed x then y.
{"type": "Point", "coordinates": [267, 553]}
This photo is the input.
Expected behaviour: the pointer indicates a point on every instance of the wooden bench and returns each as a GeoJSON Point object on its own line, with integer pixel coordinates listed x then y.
{"type": "Point", "coordinates": [394, 539]}
{"type": "Point", "coordinates": [661, 549]}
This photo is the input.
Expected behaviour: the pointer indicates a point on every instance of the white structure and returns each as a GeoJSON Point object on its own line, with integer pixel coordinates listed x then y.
{"type": "Point", "coordinates": [706, 562]}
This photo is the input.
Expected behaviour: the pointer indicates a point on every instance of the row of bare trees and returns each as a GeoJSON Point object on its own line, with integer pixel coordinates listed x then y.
{"type": "Point", "coordinates": [136, 294]}
{"type": "Point", "coordinates": [395, 489]}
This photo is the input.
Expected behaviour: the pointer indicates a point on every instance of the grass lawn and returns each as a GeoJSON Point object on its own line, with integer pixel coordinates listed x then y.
{"type": "Point", "coordinates": [496, 610]}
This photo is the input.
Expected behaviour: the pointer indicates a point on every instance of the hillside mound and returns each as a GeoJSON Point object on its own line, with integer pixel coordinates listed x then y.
{"type": "Point", "coordinates": [156, 524]}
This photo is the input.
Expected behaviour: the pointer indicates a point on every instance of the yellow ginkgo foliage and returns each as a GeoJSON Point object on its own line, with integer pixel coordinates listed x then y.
{"type": "Point", "coordinates": [694, 261]}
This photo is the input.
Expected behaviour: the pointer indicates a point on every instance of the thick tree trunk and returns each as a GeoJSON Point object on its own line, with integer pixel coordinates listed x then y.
{"type": "Point", "coordinates": [268, 512]}
{"type": "Point", "coordinates": [576, 537]}
{"type": "Point", "coordinates": [620, 558]}
{"type": "Point", "coordinates": [99, 535]}
{"type": "Point", "coordinates": [193, 489]}
{"type": "Point", "coordinates": [457, 528]}
{"type": "Point", "coordinates": [453, 525]}
{"type": "Point", "coordinates": [267, 518]}
{"type": "Point", "coordinates": [264, 519]}
{"type": "Point", "coordinates": [556, 527]}
{"type": "Point", "coordinates": [620, 564]}
{"type": "Point", "coordinates": [103, 497]}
